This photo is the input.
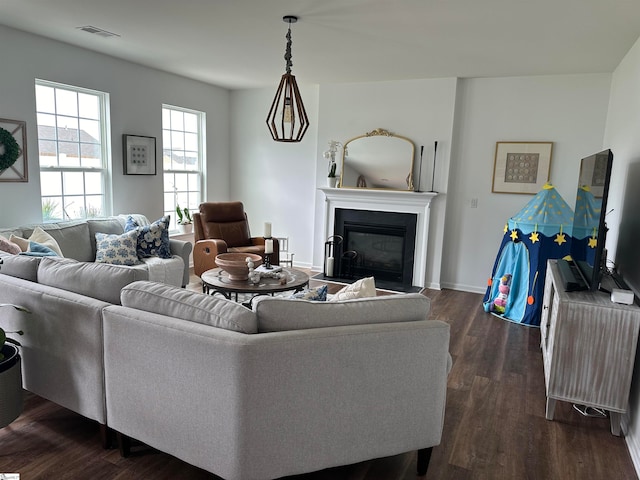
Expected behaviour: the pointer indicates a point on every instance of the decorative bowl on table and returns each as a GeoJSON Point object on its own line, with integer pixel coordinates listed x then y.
{"type": "Point", "coordinates": [235, 264]}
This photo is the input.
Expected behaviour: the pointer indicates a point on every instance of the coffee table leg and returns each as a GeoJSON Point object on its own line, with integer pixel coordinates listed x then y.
{"type": "Point", "coordinates": [213, 290]}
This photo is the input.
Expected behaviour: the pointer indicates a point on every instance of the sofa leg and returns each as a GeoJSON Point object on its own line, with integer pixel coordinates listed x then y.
{"type": "Point", "coordinates": [424, 455]}
{"type": "Point", "coordinates": [124, 444]}
{"type": "Point", "coordinates": [105, 436]}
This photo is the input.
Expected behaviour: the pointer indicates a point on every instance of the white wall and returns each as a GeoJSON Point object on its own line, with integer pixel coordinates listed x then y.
{"type": "Point", "coordinates": [421, 110]}
{"type": "Point", "coordinates": [569, 110]}
{"type": "Point", "coordinates": [621, 135]}
{"type": "Point", "coordinates": [275, 181]}
{"type": "Point", "coordinates": [136, 97]}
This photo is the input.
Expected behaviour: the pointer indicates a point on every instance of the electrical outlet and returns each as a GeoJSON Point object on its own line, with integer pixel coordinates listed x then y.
{"type": "Point", "coordinates": [474, 203]}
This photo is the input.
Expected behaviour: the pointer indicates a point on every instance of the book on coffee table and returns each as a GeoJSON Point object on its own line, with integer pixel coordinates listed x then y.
{"type": "Point", "coordinates": [273, 269]}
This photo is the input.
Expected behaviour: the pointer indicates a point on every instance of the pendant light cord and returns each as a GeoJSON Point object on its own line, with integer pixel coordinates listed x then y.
{"type": "Point", "coordinates": [287, 54]}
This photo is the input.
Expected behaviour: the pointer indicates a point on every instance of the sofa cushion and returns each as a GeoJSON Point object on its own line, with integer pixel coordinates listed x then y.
{"type": "Point", "coordinates": [20, 266]}
{"type": "Point", "coordinates": [363, 288]}
{"type": "Point", "coordinates": [97, 280]}
{"type": "Point", "coordinates": [39, 236]}
{"type": "Point", "coordinates": [8, 246]}
{"type": "Point", "coordinates": [196, 307]}
{"type": "Point", "coordinates": [152, 239]}
{"type": "Point", "coordinates": [280, 314]}
{"type": "Point", "coordinates": [117, 249]}
{"type": "Point", "coordinates": [72, 237]}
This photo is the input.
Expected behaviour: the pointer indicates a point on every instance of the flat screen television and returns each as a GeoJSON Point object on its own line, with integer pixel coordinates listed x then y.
{"type": "Point", "coordinates": [589, 226]}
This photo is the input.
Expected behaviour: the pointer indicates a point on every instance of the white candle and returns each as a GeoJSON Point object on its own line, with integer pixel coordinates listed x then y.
{"type": "Point", "coordinates": [267, 229]}
{"type": "Point", "coordinates": [268, 246]}
{"type": "Point", "coordinates": [329, 266]}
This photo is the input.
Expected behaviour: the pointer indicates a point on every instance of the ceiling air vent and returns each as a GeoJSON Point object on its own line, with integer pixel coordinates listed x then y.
{"type": "Point", "coordinates": [97, 31]}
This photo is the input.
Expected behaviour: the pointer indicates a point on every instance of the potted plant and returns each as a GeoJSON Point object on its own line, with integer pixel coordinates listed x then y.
{"type": "Point", "coordinates": [332, 179]}
{"type": "Point", "coordinates": [10, 374]}
{"type": "Point", "coordinates": [185, 222]}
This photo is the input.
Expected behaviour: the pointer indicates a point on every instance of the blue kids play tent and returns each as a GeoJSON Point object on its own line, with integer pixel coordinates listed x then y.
{"type": "Point", "coordinates": [538, 232]}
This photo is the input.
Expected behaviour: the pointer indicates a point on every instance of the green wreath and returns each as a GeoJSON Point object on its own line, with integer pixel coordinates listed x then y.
{"type": "Point", "coordinates": [11, 149]}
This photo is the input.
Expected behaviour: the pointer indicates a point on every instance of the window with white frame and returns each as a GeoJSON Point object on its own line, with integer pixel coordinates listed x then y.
{"type": "Point", "coordinates": [182, 159]}
{"type": "Point", "coordinates": [73, 147]}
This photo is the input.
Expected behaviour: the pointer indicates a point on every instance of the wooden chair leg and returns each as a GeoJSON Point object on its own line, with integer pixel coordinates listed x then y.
{"type": "Point", "coordinates": [124, 444]}
{"type": "Point", "coordinates": [424, 455]}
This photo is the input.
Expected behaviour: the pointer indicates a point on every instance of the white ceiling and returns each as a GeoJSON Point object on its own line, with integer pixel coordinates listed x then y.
{"type": "Point", "coordinates": [240, 43]}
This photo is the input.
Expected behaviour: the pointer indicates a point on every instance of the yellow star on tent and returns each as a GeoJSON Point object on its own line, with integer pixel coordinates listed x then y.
{"type": "Point", "coordinates": [506, 228]}
{"type": "Point", "coordinates": [534, 237]}
{"type": "Point", "coordinates": [560, 238]}
{"type": "Point", "coordinates": [593, 242]}
{"type": "Point", "coordinates": [514, 235]}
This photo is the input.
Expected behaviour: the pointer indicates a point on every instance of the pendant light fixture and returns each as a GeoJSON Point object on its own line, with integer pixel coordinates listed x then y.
{"type": "Point", "coordinates": [287, 120]}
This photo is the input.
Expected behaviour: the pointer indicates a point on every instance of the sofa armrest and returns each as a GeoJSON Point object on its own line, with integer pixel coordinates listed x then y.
{"type": "Point", "coordinates": [204, 254]}
{"type": "Point", "coordinates": [182, 249]}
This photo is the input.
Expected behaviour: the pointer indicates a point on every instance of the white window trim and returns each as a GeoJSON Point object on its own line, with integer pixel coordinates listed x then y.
{"type": "Point", "coordinates": [105, 116]}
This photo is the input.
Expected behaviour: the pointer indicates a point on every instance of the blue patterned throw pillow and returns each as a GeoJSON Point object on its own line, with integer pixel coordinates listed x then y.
{"type": "Point", "coordinates": [117, 249]}
{"type": "Point", "coordinates": [153, 240]}
{"type": "Point", "coordinates": [318, 294]}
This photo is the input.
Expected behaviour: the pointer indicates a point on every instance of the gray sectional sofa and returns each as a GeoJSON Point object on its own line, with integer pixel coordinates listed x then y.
{"type": "Point", "coordinates": [77, 240]}
{"type": "Point", "coordinates": [62, 349]}
{"type": "Point", "coordinates": [288, 387]}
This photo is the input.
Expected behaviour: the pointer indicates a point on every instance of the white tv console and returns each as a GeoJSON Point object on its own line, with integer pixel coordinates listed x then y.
{"type": "Point", "coordinates": [588, 348]}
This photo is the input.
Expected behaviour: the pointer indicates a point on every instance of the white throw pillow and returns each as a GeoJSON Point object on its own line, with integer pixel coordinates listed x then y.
{"type": "Point", "coordinates": [363, 288]}
{"type": "Point", "coordinates": [38, 236]}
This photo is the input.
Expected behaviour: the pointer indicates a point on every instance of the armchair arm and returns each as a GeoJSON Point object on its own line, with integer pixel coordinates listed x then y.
{"type": "Point", "coordinates": [182, 249]}
{"type": "Point", "coordinates": [204, 254]}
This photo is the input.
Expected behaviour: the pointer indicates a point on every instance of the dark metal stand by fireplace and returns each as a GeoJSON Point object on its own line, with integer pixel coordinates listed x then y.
{"type": "Point", "coordinates": [378, 244]}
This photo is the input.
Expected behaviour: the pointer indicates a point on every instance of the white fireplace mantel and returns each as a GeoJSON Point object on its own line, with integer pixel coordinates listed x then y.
{"type": "Point", "coordinates": [418, 203]}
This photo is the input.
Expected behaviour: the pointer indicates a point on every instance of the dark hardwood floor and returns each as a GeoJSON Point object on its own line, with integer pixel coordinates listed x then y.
{"type": "Point", "coordinates": [494, 425]}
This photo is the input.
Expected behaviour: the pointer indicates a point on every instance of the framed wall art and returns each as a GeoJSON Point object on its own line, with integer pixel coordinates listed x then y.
{"type": "Point", "coordinates": [521, 167]}
{"type": "Point", "coordinates": [13, 151]}
{"type": "Point", "coordinates": [139, 155]}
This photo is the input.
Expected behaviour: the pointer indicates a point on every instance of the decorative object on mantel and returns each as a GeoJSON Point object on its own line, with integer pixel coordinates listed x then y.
{"type": "Point", "coordinates": [378, 160]}
{"type": "Point", "coordinates": [185, 222]}
{"type": "Point", "coordinates": [235, 264]}
{"type": "Point", "coordinates": [521, 167]}
{"type": "Point", "coordinates": [287, 119]}
{"type": "Point", "coordinates": [332, 179]}
{"type": "Point", "coordinates": [13, 145]}
{"type": "Point", "coordinates": [433, 170]}
{"type": "Point", "coordinates": [139, 154]}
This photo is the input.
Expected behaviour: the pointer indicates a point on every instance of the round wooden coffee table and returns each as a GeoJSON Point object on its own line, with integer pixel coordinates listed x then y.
{"type": "Point", "coordinates": [217, 281]}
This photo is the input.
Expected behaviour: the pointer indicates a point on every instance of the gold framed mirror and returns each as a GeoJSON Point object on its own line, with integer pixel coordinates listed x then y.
{"type": "Point", "coordinates": [378, 160]}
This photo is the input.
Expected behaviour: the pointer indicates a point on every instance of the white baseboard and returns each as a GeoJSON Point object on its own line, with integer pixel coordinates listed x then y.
{"type": "Point", "coordinates": [465, 288]}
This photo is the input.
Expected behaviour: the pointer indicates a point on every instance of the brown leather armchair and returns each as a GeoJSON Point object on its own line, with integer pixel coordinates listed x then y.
{"type": "Point", "coordinates": [222, 227]}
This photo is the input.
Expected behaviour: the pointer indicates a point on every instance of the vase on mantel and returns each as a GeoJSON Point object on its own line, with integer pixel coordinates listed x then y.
{"type": "Point", "coordinates": [332, 182]}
